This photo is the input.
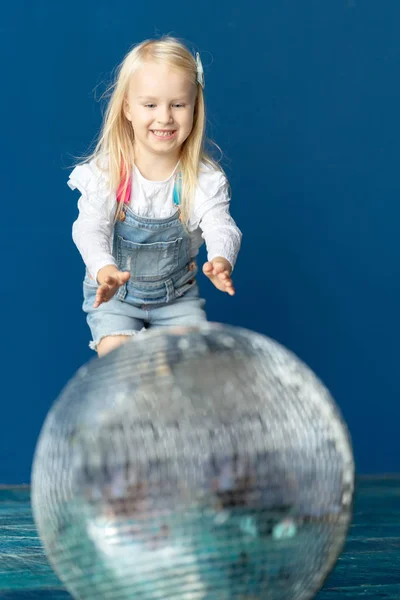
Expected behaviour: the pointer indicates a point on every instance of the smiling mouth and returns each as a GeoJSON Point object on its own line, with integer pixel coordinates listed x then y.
{"type": "Point", "coordinates": [163, 133]}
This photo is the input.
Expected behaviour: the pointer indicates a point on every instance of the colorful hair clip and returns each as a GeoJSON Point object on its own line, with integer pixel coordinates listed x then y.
{"type": "Point", "coordinates": [200, 70]}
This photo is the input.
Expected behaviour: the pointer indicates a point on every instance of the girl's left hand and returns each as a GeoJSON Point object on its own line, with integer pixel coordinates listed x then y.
{"type": "Point", "coordinates": [219, 272]}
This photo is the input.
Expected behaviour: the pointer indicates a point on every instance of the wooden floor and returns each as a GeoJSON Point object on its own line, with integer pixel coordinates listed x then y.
{"type": "Point", "coordinates": [369, 567]}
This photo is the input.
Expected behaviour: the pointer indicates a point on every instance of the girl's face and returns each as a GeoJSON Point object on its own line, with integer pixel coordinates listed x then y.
{"type": "Point", "coordinates": [160, 105]}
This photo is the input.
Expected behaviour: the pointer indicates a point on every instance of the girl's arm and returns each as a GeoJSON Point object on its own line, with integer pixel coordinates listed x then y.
{"type": "Point", "coordinates": [92, 234]}
{"type": "Point", "coordinates": [219, 230]}
{"type": "Point", "coordinates": [221, 234]}
{"type": "Point", "coordinates": [93, 229]}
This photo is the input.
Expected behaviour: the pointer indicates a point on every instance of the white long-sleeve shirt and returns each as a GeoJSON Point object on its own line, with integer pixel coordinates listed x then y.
{"type": "Point", "coordinates": [210, 220]}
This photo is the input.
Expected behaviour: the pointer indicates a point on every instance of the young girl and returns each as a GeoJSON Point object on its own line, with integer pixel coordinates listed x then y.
{"type": "Point", "coordinates": [150, 196]}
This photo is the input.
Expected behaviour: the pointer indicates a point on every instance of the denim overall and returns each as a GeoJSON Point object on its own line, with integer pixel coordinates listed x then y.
{"type": "Point", "coordinates": [156, 252]}
{"type": "Point", "coordinates": [162, 288]}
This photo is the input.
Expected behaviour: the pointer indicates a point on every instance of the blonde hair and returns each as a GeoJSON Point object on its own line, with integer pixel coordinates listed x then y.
{"type": "Point", "coordinates": [116, 138]}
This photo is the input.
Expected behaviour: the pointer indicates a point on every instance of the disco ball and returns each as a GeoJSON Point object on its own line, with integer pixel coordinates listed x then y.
{"type": "Point", "coordinates": [202, 463]}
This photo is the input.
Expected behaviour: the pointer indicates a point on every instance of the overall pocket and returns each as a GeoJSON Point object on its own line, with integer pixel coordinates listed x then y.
{"type": "Point", "coordinates": [148, 262]}
{"type": "Point", "coordinates": [90, 286]}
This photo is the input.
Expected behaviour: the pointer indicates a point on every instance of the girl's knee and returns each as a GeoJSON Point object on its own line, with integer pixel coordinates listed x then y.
{"type": "Point", "coordinates": [110, 342]}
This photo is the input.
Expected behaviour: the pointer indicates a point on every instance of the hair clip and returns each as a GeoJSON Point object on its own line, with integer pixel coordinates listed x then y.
{"type": "Point", "coordinates": [200, 70]}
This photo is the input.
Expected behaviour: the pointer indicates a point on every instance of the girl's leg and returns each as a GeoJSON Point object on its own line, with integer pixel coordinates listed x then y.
{"type": "Point", "coordinates": [112, 324]}
{"type": "Point", "coordinates": [110, 342]}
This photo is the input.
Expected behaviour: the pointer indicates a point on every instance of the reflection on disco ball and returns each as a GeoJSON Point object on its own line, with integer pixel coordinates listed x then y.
{"type": "Point", "coordinates": [205, 463]}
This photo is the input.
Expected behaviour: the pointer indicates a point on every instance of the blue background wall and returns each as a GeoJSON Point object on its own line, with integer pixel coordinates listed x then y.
{"type": "Point", "coordinates": [304, 99]}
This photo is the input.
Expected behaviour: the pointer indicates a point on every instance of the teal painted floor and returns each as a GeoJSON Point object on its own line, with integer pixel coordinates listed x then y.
{"type": "Point", "coordinates": [368, 568]}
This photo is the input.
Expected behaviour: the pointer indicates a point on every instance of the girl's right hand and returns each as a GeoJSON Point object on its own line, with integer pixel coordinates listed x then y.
{"type": "Point", "coordinates": [110, 280]}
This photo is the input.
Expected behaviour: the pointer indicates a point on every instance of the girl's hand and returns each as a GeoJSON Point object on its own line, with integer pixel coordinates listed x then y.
{"type": "Point", "coordinates": [110, 280]}
{"type": "Point", "coordinates": [219, 272]}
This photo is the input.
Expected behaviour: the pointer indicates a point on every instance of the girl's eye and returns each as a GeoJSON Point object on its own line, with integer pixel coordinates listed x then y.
{"type": "Point", "coordinates": [174, 105]}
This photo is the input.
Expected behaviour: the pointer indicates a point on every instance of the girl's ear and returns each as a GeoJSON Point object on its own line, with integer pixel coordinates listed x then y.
{"type": "Point", "coordinates": [126, 109]}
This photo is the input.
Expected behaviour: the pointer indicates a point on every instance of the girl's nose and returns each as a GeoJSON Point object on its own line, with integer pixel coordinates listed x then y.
{"type": "Point", "coordinates": [164, 116]}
